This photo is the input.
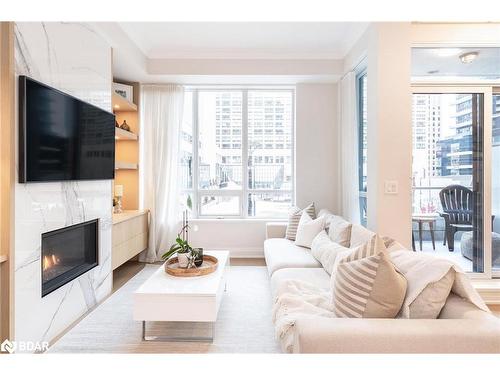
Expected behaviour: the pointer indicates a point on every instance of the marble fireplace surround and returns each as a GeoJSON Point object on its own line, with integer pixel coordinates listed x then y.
{"type": "Point", "coordinates": [73, 58]}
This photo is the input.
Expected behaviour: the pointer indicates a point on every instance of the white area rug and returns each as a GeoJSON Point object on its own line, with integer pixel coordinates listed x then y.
{"type": "Point", "coordinates": [243, 326]}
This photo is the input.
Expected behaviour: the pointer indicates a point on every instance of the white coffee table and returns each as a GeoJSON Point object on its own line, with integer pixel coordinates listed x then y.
{"type": "Point", "coordinates": [168, 298]}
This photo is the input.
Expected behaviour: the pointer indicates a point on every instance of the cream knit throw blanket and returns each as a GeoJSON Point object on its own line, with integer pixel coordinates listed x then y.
{"type": "Point", "coordinates": [298, 299]}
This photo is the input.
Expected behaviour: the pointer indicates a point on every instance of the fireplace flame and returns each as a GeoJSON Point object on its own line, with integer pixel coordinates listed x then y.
{"type": "Point", "coordinates": [49, 261]}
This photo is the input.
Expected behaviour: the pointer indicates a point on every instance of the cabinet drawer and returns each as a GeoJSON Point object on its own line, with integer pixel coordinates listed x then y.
{"type": "Point", "coordinates": [126, 230]}
{"type": "Point", "coordinates": [130, 237]}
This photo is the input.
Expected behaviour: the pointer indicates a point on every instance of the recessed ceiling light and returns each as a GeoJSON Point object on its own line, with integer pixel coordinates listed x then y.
{"type": "Point", "coordinates": [447, 52]}
{"type": "Point", "coordinates": [468, 57]}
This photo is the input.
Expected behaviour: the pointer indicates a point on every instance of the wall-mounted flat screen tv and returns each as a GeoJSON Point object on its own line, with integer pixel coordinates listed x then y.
{"type": "Point", "coordinates": [61, 137]}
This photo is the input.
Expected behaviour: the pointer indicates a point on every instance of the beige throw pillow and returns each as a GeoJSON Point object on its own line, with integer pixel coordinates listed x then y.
{"type": "Point", "coordinates": [430, 301]}
{"type": "Point", "coordinates": [340, 231]}
{"type": "Point", "coordinates": [294, 218]}
{"type": "Point", "coordinates": [308, 229]}
{"type": "Point", "coordinates": [326, 251]}
{"type": "Point", "coordinates": [430, 280]}
{"type": "Point", "coordinates": [367, 285]}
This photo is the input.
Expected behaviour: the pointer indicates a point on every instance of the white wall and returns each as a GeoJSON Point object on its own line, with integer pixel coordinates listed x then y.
{"type": "Point", "coordinates": [73, 58]}
{"type": "Point", "coordinates": [385, 49]}
{"type": "Point", "coordinates": [389, 130]}
{"type": "Point", "coordinates": [243, 238]}
{"type": "Point", "coordinates": [316, 143]}
{"type": "Point", "coordinates": [316, 169]}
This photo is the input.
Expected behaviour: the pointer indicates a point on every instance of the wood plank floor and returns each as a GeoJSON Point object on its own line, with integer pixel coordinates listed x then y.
{"type": "Point", "coordinates": [125, 272]}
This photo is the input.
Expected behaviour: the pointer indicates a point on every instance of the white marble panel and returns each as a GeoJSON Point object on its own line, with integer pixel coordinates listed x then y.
{"type": "Point", "coordinates": [73, 58]}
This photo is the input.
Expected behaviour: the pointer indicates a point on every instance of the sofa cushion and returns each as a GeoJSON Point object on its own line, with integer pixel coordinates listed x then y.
{"type": "Point", "coordinates": [367, 285]}
{"type": "Point", "coordinates": [325, 250]}
{"type": "Point", "coordinates": [459, 308]}
{"type": "Point", "coordinates": [294, 216]}
{"type": "Point", "coordinates": [282, 253]}
{"type": "Point", "coordinates": [339, 230]}
{"type": "Point", "coordinates": [316, 276]}
{"type": "Point", "coordinates": [360, 235]}
{"type": "Point", "coordinates": [308, 229]}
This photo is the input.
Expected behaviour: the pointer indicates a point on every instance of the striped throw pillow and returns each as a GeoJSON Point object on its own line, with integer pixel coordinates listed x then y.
{"type": "Point", "coordinates": [367, 285]}
{"type": "Point", "coordinates": [294, 218]}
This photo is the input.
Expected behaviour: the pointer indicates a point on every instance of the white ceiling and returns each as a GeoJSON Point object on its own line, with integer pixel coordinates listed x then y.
{"type": "Point", "coordinates": [445, 62]}
{"type": "Point", "coordinates": [245, 40]}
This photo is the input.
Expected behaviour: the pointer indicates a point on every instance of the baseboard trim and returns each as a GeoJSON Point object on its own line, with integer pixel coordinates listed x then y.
{"type": "Point", "coordinates": [249, 252]}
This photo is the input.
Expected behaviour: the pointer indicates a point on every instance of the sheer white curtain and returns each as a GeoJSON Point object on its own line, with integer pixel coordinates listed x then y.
{"type": "Point", "coordinates": [161, 118]}
{"type": "Point", "coordinates": [349, 148]}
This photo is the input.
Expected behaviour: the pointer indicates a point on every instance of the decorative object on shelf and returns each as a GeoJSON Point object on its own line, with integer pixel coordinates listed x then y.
{"type": "Point", "coordinates": [125, 126]}
{"type": "Point", "coordinates": [186, 255]}
{"type": "Point", "coordinates": [118, 196]}
{"type": "Point", "coordinates": [209, 265]}
{"type": "Point", "coordinates": [198, 256]}
{"type": "Point", "coordinates": [117, 124]}
{"type": "Point", "coordinates": [125, 91]}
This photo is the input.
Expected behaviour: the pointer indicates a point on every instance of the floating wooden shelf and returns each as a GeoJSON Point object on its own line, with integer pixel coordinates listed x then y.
{"type": "Point", "coordinates": [120, 104]}
{"type": "Point", "coordinates": [124, 135]}
{"type": "Point", "coordinates": [125, 165]}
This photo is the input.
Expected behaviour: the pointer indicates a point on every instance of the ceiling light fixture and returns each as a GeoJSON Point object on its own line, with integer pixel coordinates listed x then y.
{"type": "Point", "coordinates": [468, 57]}
{"type": "Point", "coordinates": [116, 106]}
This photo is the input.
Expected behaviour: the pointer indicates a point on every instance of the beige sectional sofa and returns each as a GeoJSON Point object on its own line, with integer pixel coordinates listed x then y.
{"type": "Point", "coordinates": [460, 328]}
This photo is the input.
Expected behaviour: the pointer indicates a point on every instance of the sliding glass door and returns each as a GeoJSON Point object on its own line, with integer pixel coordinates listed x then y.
{"type": "Point", "coordinates": [495, 184]}
{"type": "Point", "coordinates": [448, 174]}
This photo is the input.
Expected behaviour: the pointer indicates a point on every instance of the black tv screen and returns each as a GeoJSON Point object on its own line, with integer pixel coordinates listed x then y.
{"type": "Point", "coordinates": [61, 137]}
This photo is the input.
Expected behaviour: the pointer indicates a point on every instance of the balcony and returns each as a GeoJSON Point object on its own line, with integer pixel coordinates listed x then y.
{"type": "Point", "coordinates": [426, 203]}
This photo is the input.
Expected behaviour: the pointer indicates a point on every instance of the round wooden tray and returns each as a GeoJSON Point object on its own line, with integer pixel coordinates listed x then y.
{"type": "Point", "coordinates": [209, 265]}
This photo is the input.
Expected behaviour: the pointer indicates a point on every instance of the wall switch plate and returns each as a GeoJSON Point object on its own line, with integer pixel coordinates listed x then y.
{"type": "Point", "coordinates": [391, 187]}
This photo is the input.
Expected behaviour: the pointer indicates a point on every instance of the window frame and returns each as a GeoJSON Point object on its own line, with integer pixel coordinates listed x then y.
{"type": "Point", "coordinates": [196, 192]}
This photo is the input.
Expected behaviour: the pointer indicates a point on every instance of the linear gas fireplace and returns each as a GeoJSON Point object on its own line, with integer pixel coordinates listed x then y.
{"type": "Point", "coordinates": [68, 253]}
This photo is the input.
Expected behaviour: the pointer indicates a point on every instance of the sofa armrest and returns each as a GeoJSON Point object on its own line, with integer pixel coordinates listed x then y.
{"type": "Point", "coordinates": [339, 335]}
{"type": "Point", "coordinates": [275, 230]}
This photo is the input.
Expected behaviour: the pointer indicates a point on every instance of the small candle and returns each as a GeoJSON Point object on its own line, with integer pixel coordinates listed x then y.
{"type": "Point", "coordinates": [118, 190]}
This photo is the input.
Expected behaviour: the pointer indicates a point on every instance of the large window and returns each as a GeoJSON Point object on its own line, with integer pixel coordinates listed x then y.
{"type": "Point", "coordinates": [362, 94]}
{"type": "Point", "coordinates": [242, 165]}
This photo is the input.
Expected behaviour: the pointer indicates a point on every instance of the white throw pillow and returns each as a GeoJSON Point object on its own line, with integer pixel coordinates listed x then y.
{"type": "Point", "coordinates": [360, 235]}
{"type": "Point", "coordinates": [294, 216]}
{"type": "Point", "coordinates": [340, 230]}
{"type": "Point", "coordinates": [308, 229]}
{"type": "Point", "coordinates": [325, 250]}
